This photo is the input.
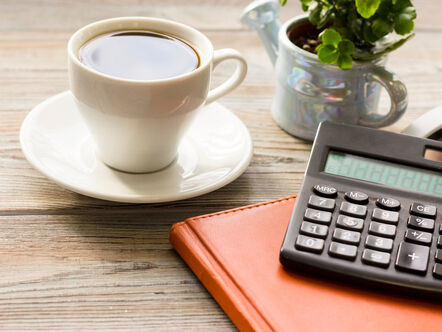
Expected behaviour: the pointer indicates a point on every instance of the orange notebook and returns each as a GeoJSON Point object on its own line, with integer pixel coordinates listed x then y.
{"type": "Point", "coordinates": [235, 254]}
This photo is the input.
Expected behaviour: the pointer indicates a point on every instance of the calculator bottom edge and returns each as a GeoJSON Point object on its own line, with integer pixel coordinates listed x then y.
{"type": "Point", "coordinates": [358, 282]}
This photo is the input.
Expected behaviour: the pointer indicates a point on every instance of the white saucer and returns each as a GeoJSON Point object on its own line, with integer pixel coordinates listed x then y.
{"type": "Point", "coordinates": [216, 150]}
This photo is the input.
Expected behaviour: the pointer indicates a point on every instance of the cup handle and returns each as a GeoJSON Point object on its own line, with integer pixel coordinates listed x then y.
{"type": "Point", "coordinates": [233, 81]}
{"type": "Point", "coordinates": [398, 95]}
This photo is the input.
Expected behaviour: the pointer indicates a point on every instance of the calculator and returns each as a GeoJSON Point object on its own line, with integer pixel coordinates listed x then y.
{"type": "Point", "coordinates": [369, 210]}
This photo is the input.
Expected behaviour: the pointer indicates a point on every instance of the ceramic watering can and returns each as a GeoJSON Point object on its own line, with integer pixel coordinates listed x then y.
{"type": "Point", "coordinates": [309, 92]}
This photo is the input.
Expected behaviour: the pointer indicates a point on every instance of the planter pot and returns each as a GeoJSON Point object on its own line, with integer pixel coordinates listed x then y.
{"type": "Point", "coordinates": [309, 92]}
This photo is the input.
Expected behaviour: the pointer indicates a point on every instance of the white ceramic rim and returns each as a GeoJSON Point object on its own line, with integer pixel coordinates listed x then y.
{"type": "Point", "coordinates": [236, 172]}
{"type": "Point", "coordinates": [284, 39]}
{"type": "Point", "coordinates": [148, 20]}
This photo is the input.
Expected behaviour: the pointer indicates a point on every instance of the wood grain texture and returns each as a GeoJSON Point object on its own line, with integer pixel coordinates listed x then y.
{"type": "Point", "coordinates": [70, 262]}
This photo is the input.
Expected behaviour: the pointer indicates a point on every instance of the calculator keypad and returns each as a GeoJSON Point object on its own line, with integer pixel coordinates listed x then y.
{"type": "Point", "coordinates": [413, 252]}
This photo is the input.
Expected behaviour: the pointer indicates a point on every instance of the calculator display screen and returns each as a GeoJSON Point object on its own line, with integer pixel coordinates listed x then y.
{"type": "Point", "coordinates": [386, 173]}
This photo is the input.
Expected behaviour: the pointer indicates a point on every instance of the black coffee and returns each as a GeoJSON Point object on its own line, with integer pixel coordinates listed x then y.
{"type": "Point", "coordinates": [139, 55]}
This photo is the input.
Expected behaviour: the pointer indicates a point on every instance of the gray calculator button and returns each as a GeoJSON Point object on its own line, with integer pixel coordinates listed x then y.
{"type": "Point", "coordinates": [385, 216]}
{"type": "Point", "coordinates": [412, 257]}
{"type": "Point", "coordinates": [376, 257]}
{"type": "Point", "coordinates": [346, 236]}
{"type": "Point", "coordinates": [321, 203]}
{"type": "Point", "coordinates": [437, 270]}
{"type": "Point", "coordinates": [308, 243]}
{"type": "Point", "coordinates": [439, 241]}
{"type": "Point", "coordinates": [423, 210]}
{"type": "Point", "coordinates": [380, 243]}
{"type": "Point", "coordinates": [421, 223]}
{"type": "Point", "coordinates": [438, 255]}
{"type": "Point", "coordinates": [377, 228]}
{"type": "Point", "coordinates": [318, 216]}
{"type": "Point", "coordinates": [388, 203]}
{"type": "Point", "coordinates": [354, 210]}
{"type": "Point", "coordinates": [356, 197]}
{"type": "Point", "coordinates": [342, 250]}
{"type": "Point", "coordinates": [325, 190]}
{"type": "Point", "coordinates": [418, 237]}
{"type": "Point", "coordinates": [350, 222]}
{"type": "Point", "coordinates": [310, 228]}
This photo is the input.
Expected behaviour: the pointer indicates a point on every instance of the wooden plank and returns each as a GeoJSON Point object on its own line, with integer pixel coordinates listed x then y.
{"type": "Point", "coordinates": [70, 262]}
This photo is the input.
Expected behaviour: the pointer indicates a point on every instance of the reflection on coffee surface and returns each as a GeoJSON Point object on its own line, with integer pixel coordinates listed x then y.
{"type": "Point", "coordinates": [139, 55]}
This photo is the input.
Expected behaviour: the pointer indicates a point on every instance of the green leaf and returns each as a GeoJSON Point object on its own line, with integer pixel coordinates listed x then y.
{"type": "Point", "coordinates": [315, 15]}
{"type": "Point", "coordinates": [403, 24]}
{"type": "Point", "coordinates": [330, 36]}
{"type": "Point", "coordinates": [411, 11]}
{"type": "Point", "coordinates": [381, 27]}
{"type": "Point", "coordinates": [346, 47]}
{"type": "Point", "coordinates": [400, 5]}
{"type": "Point", "coordinates": [369, 36]}
{"type": "Point", "coordinates": [367, 8]}
{"type": "Point", "coordinates": [282, 2]}
{"type": "Point", "coordinates": [386, 50]}
{"type": "Point", "coordinates": [325, 18]}
{"type": "Point", "coordinates": [327, 54]}
{"type": "Point", "coordinates": [345, 61]}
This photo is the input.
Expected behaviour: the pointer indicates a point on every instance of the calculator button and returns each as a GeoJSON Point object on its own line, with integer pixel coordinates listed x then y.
{"type": "Point", "coordinates": [380, 243]}
{"type": "Point", "coordinates": [325, 190]}
{"type": "Point", "coordinates": [356, 197]}
{"type": "Point", "coordinates": [309, 228]}
{"type": "Point", "coordinates": [321, 203]}
{"type": "Point", "coordinates": [375, 257]}
{"type": "Point", "coordinates": [385, 216]}
{"type": "Point", "coordinates": [423, 210]}
{"type": "Point", "coordinates": [353, 209]}
{"type": "Point", "coordinates": [440, 229]}
{"type": "Point", "coordinates": [419, 237]}
{"type": "Point", "coordinates": [343, 235]}
{"type": "Point", "coordinates": [439, 242]}
{"type": "Point", "coordinates": [388, 203]}
{"type": "Point", "coordinates": [421, 223]}
{"type": "Point", "coordinates": [319, 216]}
{"type": "Point", "coordinates": [309, 244]}
{"type": "Point", "coordinates": [377, 228]}
{"type": "Point", "coordinates": [412, 257]}
{"type": "Point", "coordinates": [350, 222]}
{"type": "Point", "coordinates": [437, 270]}
{"type": "Point", "coordinates": [342, 250]}
{"type": "Point", "coordinates": [438, 255]}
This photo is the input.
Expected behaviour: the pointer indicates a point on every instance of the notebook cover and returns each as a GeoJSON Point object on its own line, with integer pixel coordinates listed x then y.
{"type": "Point", "coordinates": [235, 254]}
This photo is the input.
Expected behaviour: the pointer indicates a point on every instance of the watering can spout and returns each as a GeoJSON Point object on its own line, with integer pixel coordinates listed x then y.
{"type": "Point", "coordinates": [263, 16]}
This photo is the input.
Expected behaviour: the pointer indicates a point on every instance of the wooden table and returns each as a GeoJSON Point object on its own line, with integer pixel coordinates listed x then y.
{"type": "Point", "coordinates": [70, 262]}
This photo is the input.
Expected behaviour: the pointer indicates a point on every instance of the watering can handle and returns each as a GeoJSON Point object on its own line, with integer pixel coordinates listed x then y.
{"type": "Point", "coordinates": [398, 95]}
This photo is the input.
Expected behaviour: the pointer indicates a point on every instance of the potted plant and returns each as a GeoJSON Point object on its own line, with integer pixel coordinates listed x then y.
{"type": "Point", "coordinates": [330, 63]}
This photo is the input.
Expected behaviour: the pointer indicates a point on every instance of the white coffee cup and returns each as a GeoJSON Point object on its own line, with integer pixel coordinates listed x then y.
{"type": "Point", "coordinates": [137, 125]}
